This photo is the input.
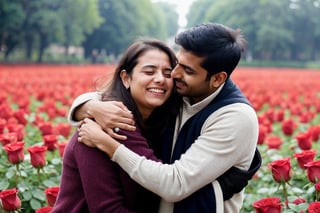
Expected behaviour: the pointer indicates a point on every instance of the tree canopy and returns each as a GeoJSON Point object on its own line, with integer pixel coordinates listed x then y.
{"type": "Point", "coordinates": [275, 30]}
{"type": "Point", "coordinates": [107, 26]}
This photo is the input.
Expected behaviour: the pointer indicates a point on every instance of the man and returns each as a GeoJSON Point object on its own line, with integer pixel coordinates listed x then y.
{"type": "Point", "coordinates": [216, 129]}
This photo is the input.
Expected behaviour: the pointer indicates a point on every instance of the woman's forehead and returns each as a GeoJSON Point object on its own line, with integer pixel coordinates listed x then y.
{"type": "Point", "coordinates": [154, 57]}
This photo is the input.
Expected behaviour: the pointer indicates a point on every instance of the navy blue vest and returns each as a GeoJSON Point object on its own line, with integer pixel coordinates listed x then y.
{"type": "Point", "coordinates": [202, 200]}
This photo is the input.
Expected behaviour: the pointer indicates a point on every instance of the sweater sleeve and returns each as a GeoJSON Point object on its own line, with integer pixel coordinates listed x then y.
{"type": "Point", "coordinates": [228, 138]}
{"type": "Point", "coordinates": [101, 181]}
{"type": "Point", "coordinates": [81, 99]}
{"type": "Point", "coordinates": [106, 187]}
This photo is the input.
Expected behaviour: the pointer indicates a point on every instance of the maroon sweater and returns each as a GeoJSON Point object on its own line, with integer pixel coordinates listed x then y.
{"type": "Point", "coordinates": [91, 182]}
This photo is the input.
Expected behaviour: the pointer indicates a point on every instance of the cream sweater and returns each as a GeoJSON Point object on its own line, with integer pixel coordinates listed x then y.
{"type": "Point", "coordinates": [228, 138]}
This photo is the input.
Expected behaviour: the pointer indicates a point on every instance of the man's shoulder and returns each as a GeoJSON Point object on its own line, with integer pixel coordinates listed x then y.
{"type": "Point", "coordinates": [235, 113]}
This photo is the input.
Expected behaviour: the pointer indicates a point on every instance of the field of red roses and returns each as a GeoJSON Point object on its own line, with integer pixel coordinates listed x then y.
{"type": "Point", "coordinates": [34, 101]}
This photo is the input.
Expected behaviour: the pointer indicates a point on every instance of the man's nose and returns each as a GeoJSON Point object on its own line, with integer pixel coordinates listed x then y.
{"type": "Point", "coordinates": [176, 72]}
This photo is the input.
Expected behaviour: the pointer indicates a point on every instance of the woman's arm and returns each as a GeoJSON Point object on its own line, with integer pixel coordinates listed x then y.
{"type": "Point", "coordinates": [100, 181]}
{"type": "Point", "coordinates": [109, 182]}
{"type": "Point", "coordinates": [90, 180]}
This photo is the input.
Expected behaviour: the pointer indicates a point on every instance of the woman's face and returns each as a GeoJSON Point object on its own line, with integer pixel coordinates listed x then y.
{"type": "Point", "coordinates": [150, 83]}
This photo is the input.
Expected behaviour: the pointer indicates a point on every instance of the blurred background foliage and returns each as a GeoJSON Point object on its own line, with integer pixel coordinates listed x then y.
{"type": "Point", "coordinates": [279, 33]}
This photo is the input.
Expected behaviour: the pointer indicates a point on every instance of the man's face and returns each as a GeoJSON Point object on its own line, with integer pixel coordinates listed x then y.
{"type": "Point", "coordinates": [190, 77]}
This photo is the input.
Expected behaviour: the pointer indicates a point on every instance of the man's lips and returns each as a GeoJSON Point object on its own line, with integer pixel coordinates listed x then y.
{"type": "Point", "coordinates": [180, 84]}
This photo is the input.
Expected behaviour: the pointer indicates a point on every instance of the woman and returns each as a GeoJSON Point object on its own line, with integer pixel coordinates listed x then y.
{"type": "Point", "coordinates": [90, 181]}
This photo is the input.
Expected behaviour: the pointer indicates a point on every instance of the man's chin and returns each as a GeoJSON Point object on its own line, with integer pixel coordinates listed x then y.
{"type": "Point", "coordinates": [181, 92]}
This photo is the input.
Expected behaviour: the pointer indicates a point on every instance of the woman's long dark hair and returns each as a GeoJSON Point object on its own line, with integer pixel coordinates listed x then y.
{"type": "Point", "coordinates": [154, 127]}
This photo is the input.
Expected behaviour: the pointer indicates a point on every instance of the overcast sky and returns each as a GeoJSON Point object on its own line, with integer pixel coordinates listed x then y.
{"type": "Point", "coordinates": [182, 7]}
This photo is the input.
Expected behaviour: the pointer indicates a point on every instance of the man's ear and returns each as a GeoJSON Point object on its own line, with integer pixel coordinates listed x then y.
{"type": "Point", "coordinates": [125, 79]}
{"type": "Point", "coordinates": [218, 79]}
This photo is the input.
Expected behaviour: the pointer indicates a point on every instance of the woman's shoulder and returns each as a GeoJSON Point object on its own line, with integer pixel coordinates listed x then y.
{"type": "Point", "coordinates": [79, 150]}
{"type": "Point", "coordinates": [132, 136]}
{"type": "Point", "coordinates": [138, 143]}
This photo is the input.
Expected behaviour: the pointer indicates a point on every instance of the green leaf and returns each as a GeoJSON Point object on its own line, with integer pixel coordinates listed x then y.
{"type": "Point", "coordinates": [56, 161]}
{"type": "Point", "coordinates": [39, 194]}
{"type": "Point", "coordinates": [10, 173]}
{"type": "Point", "coordinates": [26, 195]}
{"type": "Point", "coordinates": [49, 183]}
{"type": "Point", "coordinates": [294, 207]}
{"type": "Point", "coordinates": [23, 186]}
{"type": "Point", "coordinates": [4, 184]}
{"type": "Point", "coordinates": [35, 204]}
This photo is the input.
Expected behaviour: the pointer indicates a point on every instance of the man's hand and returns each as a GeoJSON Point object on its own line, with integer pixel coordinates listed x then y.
{"type": "Point", "coordinates": [109, 115]}
{"type": "Point", "coordinates": [91, 134]}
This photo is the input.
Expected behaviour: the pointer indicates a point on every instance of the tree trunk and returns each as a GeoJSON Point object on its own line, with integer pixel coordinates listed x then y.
{"type": "Point", "coordinates": [42, 46]}
{"type": "Point", "coordinates": [29, 47]}
{"type": "Point", "coordinates": [11, 43]}
{"type": "Point", "coordinates": [66, 50]}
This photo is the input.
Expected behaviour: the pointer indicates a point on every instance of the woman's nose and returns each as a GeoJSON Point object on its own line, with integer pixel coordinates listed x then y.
{"type": "Point", "coordinates": [159, 77]}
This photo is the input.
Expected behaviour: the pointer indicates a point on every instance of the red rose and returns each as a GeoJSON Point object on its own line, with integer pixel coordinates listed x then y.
{"type": "Point", "coordinates": [304, 157]}
{"type": "Point", "coordinates": [273, 142]}
{"type": "Point", "coordinates": [315, 132]}
{"type": "Point", "coordinates": [38, 120]}
{"type": "Point", "coordinates": [45, 128]}
{"type": "Point", "coordinates": [12, 120]}
{"type": "Point", "coordinates": [44, 209]}
{"type": "Point", "coordinates": [20, 116]}
{"type": "Point", "coordinates": [306, 116]}
{"type": "Point", "coordinates": [18, 129]}
{"type": "Point", "coordinates": [61, 146]}
{"type": "Point", "coordinates": [317, 186]}
{"type": "Point", "coordinates": [304, 140]}
{"type": "Point", "coordinates": [288, 126]}
{"type": "Point", "coordinates": [281, 170]}
{"type": "Point", "coordinates": [64, 129]}
{"type": "Point", "coordinates": [15, 152]}
{"type": "Point", "coordinates": [23, 103]}
{"type": "Point", "coordinates": [50, 141]}
{"type": "Point", "coordinates": [2, 125]}
{"type": "Point", "coordinates": [295, 109]}
{"type": "Point", "coordinates": [314, 207]}
{"type": "Point", "coordinates": [62, 112]}
{"type": "Point", "coordinates": [299, 201]}
{"type": "Point", "coordinates": [263, 120]}
{"type": "Point", "coordinates": [52, 112]}
{"type": "Point", "coordinates": [262, 133]}
{"type": "Point", "coordinates": [37, 154]}
{"type": "Point", "coordinates": [10, 200]}
{"type": "Point", "coordinates": [8, 138]}
{"type": "Point", "coordinates": [268, 205]}
{"type": "Point", "coordinates": [313, 171]}
{"type": "Point", "coordinates": [279, 115]}
{"type": "Point", "coordinates": [5, 111]}
{"type": "Point", "coordinates": [51, 194]}
{"type": "Point", "coordinates": [270, 114]}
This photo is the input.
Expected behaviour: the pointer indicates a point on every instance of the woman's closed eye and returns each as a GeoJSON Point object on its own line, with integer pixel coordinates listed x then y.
{"type": "Point", "coordinates": [167, 73]}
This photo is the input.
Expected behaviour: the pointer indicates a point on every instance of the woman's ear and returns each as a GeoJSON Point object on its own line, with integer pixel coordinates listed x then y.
{"type": "Point", "coordinates": [125, 79]}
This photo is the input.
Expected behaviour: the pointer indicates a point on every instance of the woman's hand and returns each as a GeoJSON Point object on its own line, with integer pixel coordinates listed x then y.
{"type": "Point", "coordinates": [91, 134]}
